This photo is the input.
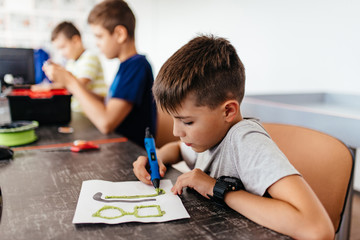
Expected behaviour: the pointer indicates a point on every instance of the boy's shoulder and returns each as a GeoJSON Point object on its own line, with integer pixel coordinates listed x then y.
{"type": "Point", "coordinates": [88, 53]}
{"type": "Point", "coordinates": [246, 125]}
{"type": "Point", "coordinates": [136, 61]}
{"type": "Point", "coordinates": [247, 131]}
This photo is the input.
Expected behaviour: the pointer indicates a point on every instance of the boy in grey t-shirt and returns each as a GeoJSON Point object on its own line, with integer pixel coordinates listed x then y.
{"type": "Point", "coordinates": [202, 86]}
{"type": "Point", "coordinates": [250, 156]}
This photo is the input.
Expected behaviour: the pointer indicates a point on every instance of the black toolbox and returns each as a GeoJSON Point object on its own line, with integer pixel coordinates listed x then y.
{"type": "Point", "coordinates": [46, 107]}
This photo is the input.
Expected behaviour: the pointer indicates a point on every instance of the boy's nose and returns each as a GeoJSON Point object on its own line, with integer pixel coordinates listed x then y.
{"type": "Point", "coordinates": [177, 130]}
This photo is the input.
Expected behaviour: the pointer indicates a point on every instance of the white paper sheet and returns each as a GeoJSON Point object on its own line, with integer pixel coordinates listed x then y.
{"type": "Point", "coordinates": [87, 206]}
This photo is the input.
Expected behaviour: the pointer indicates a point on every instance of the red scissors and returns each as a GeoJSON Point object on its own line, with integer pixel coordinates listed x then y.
{"type": "Point", "coordinates": [82, 145]}
{"type": "Point", "coordinates": [77, 146]}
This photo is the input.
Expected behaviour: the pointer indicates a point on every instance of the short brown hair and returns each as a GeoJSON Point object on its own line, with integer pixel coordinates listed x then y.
{"type": "Point", "coordinates": [207, 66]}
{"type": "Point", "coordinates": [67, 28]}
{"type": "Point", "coordinates": [111, 13]}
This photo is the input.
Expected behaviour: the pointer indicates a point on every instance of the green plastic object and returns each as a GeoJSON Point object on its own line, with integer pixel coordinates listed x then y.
{"type": "Point", "coordinates": [18, 133]}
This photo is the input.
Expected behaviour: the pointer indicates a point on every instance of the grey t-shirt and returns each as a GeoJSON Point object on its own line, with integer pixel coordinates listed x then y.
{"type": "Point", "coordinates": [248, 153]}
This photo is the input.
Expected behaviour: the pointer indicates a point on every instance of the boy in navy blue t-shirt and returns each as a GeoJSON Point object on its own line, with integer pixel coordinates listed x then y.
{"type": "Point", "coordinates": [129, 106]}
{"type": "Point", "coordinates": [133, 83]}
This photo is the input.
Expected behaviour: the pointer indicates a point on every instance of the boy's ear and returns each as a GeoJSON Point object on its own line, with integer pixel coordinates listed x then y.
{"type": "Point", "coordinates": [121, 33]}
{"type": "Point", "coordinates": [231, 110]}
{"type": "Point", "coordinates": [76, 38]}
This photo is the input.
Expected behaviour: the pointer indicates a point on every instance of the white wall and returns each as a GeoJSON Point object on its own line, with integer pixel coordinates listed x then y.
{"type": "Point", "coordinates": [285, 45]}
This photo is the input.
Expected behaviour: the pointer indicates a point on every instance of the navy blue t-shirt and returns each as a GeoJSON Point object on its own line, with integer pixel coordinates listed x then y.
{"type": "Point", "coordinates": [133, 83]}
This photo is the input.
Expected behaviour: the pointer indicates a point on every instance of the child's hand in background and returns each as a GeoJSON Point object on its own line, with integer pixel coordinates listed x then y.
{"type": "Point", "coordinates": [57, 73]}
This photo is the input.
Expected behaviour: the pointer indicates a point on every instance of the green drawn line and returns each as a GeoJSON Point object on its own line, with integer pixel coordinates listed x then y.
{"type": "Point", "coordinates": [158, 192]}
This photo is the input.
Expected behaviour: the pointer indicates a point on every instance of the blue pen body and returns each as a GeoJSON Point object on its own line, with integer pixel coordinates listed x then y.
{"type": "Point", "coordinates": [151, 152]}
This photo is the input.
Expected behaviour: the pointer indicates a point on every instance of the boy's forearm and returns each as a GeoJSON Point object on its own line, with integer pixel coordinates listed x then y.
{"type": "Point", "coordinates": [170, 153]}
{"type": "Point", "coordinates": [105, 117]}
{"type": "Point", "coordinates": [90, 104]}
{"type": "Point", "coordinates": [264, 211]}
{"type": "Point", "coordinates": [85, 82]}
{"type": "Point", "coordinates": [280, 216]}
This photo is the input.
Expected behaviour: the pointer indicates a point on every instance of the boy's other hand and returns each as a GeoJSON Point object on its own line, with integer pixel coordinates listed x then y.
{"type": "Point", "coordinates": [196, 179]}
{"type": "Point", "coordinates": [139, 168]}
{"type": "Point", "coordinates": [57, 73]}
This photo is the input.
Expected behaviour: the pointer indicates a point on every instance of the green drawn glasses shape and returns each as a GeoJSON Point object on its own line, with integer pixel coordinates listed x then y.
{"type": "Point", "coordinates": [135, 213]}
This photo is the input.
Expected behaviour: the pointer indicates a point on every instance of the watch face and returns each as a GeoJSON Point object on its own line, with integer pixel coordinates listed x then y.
{"type": "Point", "coordinates": [231, 180]}
{"type": "Point", "coordinates": [234, 183]}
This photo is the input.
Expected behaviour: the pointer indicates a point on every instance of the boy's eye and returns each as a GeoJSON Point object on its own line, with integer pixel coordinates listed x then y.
{"type": "Point", "coordinates": [188, 123]}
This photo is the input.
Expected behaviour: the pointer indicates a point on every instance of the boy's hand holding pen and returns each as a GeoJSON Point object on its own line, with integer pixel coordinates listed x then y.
{"type": "Point", "coordinates": [143, 163]}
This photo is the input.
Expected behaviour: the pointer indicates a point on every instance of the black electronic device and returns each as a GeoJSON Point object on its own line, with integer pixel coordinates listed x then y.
{"type": "Point", "coordinates": [18, 65]}
{"type": "Point", "coordinates": [5, 153]}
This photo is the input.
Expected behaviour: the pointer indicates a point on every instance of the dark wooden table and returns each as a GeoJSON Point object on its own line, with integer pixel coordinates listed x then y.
{"type": "Point", "coordinates": [40, 190]}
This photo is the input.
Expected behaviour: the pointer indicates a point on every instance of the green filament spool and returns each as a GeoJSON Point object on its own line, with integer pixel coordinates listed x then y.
{"type": "Point", "coordinates": [18, 133]}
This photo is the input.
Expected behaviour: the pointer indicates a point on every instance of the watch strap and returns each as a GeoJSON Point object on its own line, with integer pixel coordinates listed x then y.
{"type": "Point", "coordinates": [219, 191]}
{"type": "Point", "coordinates": [224, 184]}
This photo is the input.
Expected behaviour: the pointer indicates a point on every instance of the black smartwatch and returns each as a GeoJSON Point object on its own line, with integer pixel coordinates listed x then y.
{"type": "Point", "coordinates": [223, 185]}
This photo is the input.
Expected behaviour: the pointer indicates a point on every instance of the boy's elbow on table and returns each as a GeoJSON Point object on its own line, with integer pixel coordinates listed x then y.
{"type": "Point", "coordinates": [105, 128]}
{"type": "Point", "coordinates": [105, 131]}
{"type": "Point", "coordinates": [320, 231]}
{"type": "Point", "coordinates": [318, 234]}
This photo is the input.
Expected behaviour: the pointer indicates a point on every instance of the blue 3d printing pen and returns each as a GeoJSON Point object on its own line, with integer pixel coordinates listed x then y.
{"type": "Point", "coordinates": [154, 166]}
